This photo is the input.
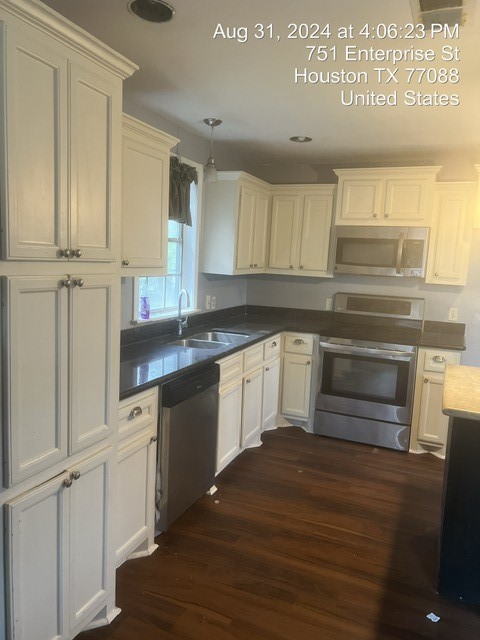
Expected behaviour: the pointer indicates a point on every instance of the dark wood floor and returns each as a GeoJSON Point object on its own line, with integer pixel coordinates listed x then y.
{"type": "Point", "coordinates": [308, 538]}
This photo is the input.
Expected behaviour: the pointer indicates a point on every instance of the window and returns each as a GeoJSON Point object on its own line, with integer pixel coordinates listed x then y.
{"type": "Point", "coordinates": [156, 297]}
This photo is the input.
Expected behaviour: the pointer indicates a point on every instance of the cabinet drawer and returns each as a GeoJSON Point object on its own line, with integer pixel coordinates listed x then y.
{"type": "Point", "coordinates": [137, 413]}
{"type": "Point", "coordinates": [231, 368]}
{"type": "Point", "coordinates": [298, 343]}
{"type": "Point", "coordinates": [436, 359]}
{"type": "Point", "coordinates": [271, 348]}
{"type": "Point", "coordinates": [252, 357]}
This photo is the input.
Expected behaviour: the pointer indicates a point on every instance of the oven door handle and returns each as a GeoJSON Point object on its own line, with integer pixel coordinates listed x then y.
{"type": "Point", "coordinates": [401, 244]}
{"type": "Point", "coordinates": [358, 351]}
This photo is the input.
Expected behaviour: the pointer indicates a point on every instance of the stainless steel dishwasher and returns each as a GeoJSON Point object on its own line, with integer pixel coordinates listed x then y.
{"type": "Point", "coordinates": [188, 442]}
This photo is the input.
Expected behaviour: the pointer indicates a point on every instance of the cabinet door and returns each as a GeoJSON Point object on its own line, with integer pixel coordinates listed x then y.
{"type": "Point", "coordinates": [36, 374]}
{"type": "Point", "coordinates": [315, 235]}
{"type": "Point", "coordinates": [37, 562]}
{"type": "Point", "coordinates": [451, 235]}
{"type": "Point", "coordinates": [95, 105]}
{"type": "Point", "coordinates": [92, 554]}
{"type": "Point", "coordinates": [136, 473]}
{"type": "Point", "coordinates": [35, 93]}
{"type": "Point", "coordinates": [433, 424]}
{"type": "Point", "coordinates": [145, 205]}
{"type": "Point", "coordinates": [91, 348]}
{"type": "Point", "coordinates": [252, 407]}
{"type": "Point", "coordinates": [296, 382]}
{"type": "Point", "coordinates": [229, 424]}
{"type": "Point", "coordinates": [284, 232]}
{"type": "Point", "coordinates": [360, 201]}
{"type": "Point", "coordinates": [245, 226]}
{"type": "Point", "coordinates": [260, 231]}
{"type": "Point", "coordinates": [271, 382]}
{"type": "Point", "coordinates": [408, 201]}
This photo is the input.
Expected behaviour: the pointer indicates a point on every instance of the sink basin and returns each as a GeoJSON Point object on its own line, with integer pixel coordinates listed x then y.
{"type": "Point", "coordinates": [195, 343]}
{"type": "Point", "coordinates": [227, 337]}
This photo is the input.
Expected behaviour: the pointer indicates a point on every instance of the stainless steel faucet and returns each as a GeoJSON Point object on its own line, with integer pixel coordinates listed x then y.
{"type": "Point", "coordinates": [182, 322]}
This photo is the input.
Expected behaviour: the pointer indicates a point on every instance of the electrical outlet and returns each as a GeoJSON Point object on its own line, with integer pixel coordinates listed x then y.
{"type": "Point", "coordinates": [213, 302]}
{"type": "Point", "coordinates": [329, 304]}
{"type": "Point", "coordinates": [453, 314]}
{"type": "Point", "coordinates": [208, 302]}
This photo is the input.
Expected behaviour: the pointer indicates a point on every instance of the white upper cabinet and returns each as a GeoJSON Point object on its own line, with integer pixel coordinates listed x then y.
{"type": "Point", "coordinates": [145, 197]}
{"type": "Point", "coordinates": [61, 140]}
{"type": "Point", "coordinates": [396, 196]}
{"type": "Point", "coordinates": [59, 371]}
{"type": "Point", "coordinates": [451, 233]}
{"type": "Point", "coordinates": [300, 230]}
{"type": "Point", "coordinates": [235, 224]}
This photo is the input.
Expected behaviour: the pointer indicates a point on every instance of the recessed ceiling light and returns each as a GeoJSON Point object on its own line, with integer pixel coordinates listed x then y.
{"type": "Point", "coordinates": [152, 10]}
{"type": "Point", "coordinates": [300, 139]}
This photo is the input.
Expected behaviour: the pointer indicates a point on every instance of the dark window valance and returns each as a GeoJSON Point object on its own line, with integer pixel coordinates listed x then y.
{"type": "Point", "coordinates": [181, 177]}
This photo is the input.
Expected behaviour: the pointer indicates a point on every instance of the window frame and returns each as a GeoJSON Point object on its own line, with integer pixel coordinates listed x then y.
{"type": "Point", "coordinates": [190, 268]}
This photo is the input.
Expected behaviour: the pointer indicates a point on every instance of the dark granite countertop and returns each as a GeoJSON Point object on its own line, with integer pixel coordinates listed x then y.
{"type": "Point", "coordinates": [154, 360]}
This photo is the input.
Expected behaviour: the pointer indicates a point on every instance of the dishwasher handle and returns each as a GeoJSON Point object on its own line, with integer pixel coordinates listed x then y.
{"type": "Point", "coordinates": [189, 385]}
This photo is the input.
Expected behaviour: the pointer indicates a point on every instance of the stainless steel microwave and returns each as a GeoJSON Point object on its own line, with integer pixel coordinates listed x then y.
{"type": "Point", "coordinates": [381, 251]}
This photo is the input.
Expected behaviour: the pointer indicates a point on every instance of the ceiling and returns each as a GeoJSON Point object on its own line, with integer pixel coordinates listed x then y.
{"type": "Point", "coordinates": [186, 75]}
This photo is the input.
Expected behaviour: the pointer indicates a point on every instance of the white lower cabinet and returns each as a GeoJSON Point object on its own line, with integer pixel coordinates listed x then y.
{"type": "Point", "coordinates": [271, 386]}
{"type": "Point", "coordinates": [252, 407]}
{"type": "Point", "coordinates": [297, 375]}
{"type": "Point", "coordinates": [60, 565]}
{"type": "Point", "coordinates": [429, 424]}
{"type": "Point", "coordinates": [136, 475]}
{"type": "Point", "coordinates": [229, 423]}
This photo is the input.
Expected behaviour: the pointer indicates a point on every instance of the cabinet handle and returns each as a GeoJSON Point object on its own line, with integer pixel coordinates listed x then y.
{"type": "Point", "coordinates": [248, 381]}
{"type": "Point", "coordinates": [438, 359]}
{"type": "Point", "coordinates": [375, 215]}
{"type": "Point", "coordinates": [78, 253]}
{"type": "Point", "coordinates": [308, 362]}
{"type": "Point", "coordinates": [80, 282]}
{"type": "Point", "coordinates": [425, 380]}
{"type": "Point", "coordinates": [65, 253]}
{"type": "Point", "coordinates": [125, 263]}
{"type": "Point", "coordinates": [68, 283]}
{"type": "Point", "coordinates": [67, 483]}
{"type": "Point", "coordinates": [135, 412]}
{"type": "Point", "coordinates": [153, 439]}
{"type": "Point", "coordinates": [387, 215]}
{"type": "Point", "coordinates": [267, 368]}
{"type": "Point", "coordinates": [298, 341]}
{"type": "Point", "coordinates": [274, 343]}
{"type": "Point", "coordinates": [75, 475]}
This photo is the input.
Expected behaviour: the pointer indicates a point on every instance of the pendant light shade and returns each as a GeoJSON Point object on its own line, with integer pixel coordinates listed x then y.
{"type": "Point", "coordinates": [210, 173]}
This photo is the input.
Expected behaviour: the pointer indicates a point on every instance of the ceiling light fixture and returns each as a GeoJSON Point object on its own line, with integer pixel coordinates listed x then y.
{"type": "Point", "coordinates": [210, 174]}
{"type": "Point", "coordinates": [300, 139]}
{"type": "Point", "coordinates": [152, 10]}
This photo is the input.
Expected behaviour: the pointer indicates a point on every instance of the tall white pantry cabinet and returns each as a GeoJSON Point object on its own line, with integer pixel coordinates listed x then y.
{"type": "Point", "coordinates": [60, 204]}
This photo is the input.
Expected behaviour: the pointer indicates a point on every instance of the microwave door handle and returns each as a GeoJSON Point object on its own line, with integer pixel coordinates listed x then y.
{"type": "Point", "coordinates": [401, 244]}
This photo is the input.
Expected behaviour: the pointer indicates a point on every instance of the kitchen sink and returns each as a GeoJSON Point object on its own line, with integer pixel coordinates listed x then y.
{"type": "Point", "coordinates": [227, 337]}
{"type": "Point", "coordinates": [195, 343]}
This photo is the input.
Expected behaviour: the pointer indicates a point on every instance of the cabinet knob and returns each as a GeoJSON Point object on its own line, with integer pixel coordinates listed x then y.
{"type": "Point", "coordinates": [267, 368]}
{"type": "Point", "coordinates": [387, 215]}
{"type": "Point", "coordinates": [301, 266]}
{"type": "Point", "coordinates": [248, 381]}
{"type": "Point", "coordinates": [436, 274]}
{"type": "Point", "coordinates": [255, 265]}
{"type": "Point", "coordinates": [251, 266]}
{"type": "Point", "coordinates": [438, 359]}
{"type": "Point", "coordinates": [291, 266]}
{"type": "Point", "coordinates": [135, 412]}
{"type": "Point", "coordinates": [75, 475]}
{"type": "Point", "coordinates": [65, 253]}
{"type": "Point", "coordinates": [68, 483]}
{"type": "Point", "coordinates": [80, 282]}
{"type": "Point", "coordinates": [125, 263]}
{"type": "Point", "coordinates": [274, 343]}
{"type": "Point", "coordinates": [375, 215]}
{"type": "Point", "coordinates": [153, 439]}
{"type": "Point", "coordinates": [308, 362]}
{"type": "Point", "coordinates": [78, 253]}
{"type": "Point", "coordinates": [68, 283]}
{"type": "Point", "coordinates": [425, 380]}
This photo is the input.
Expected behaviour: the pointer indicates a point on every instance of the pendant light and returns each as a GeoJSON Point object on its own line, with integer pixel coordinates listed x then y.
{"type": "Point", "coordinates": [210, 174]}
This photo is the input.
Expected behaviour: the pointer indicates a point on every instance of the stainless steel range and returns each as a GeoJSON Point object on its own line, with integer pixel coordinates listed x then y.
{"type": "Point", "coordinates": [367, 370]}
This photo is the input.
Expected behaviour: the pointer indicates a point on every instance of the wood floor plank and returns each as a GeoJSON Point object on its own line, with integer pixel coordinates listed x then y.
{"type": "Point", "coordinates": [308, 538]}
